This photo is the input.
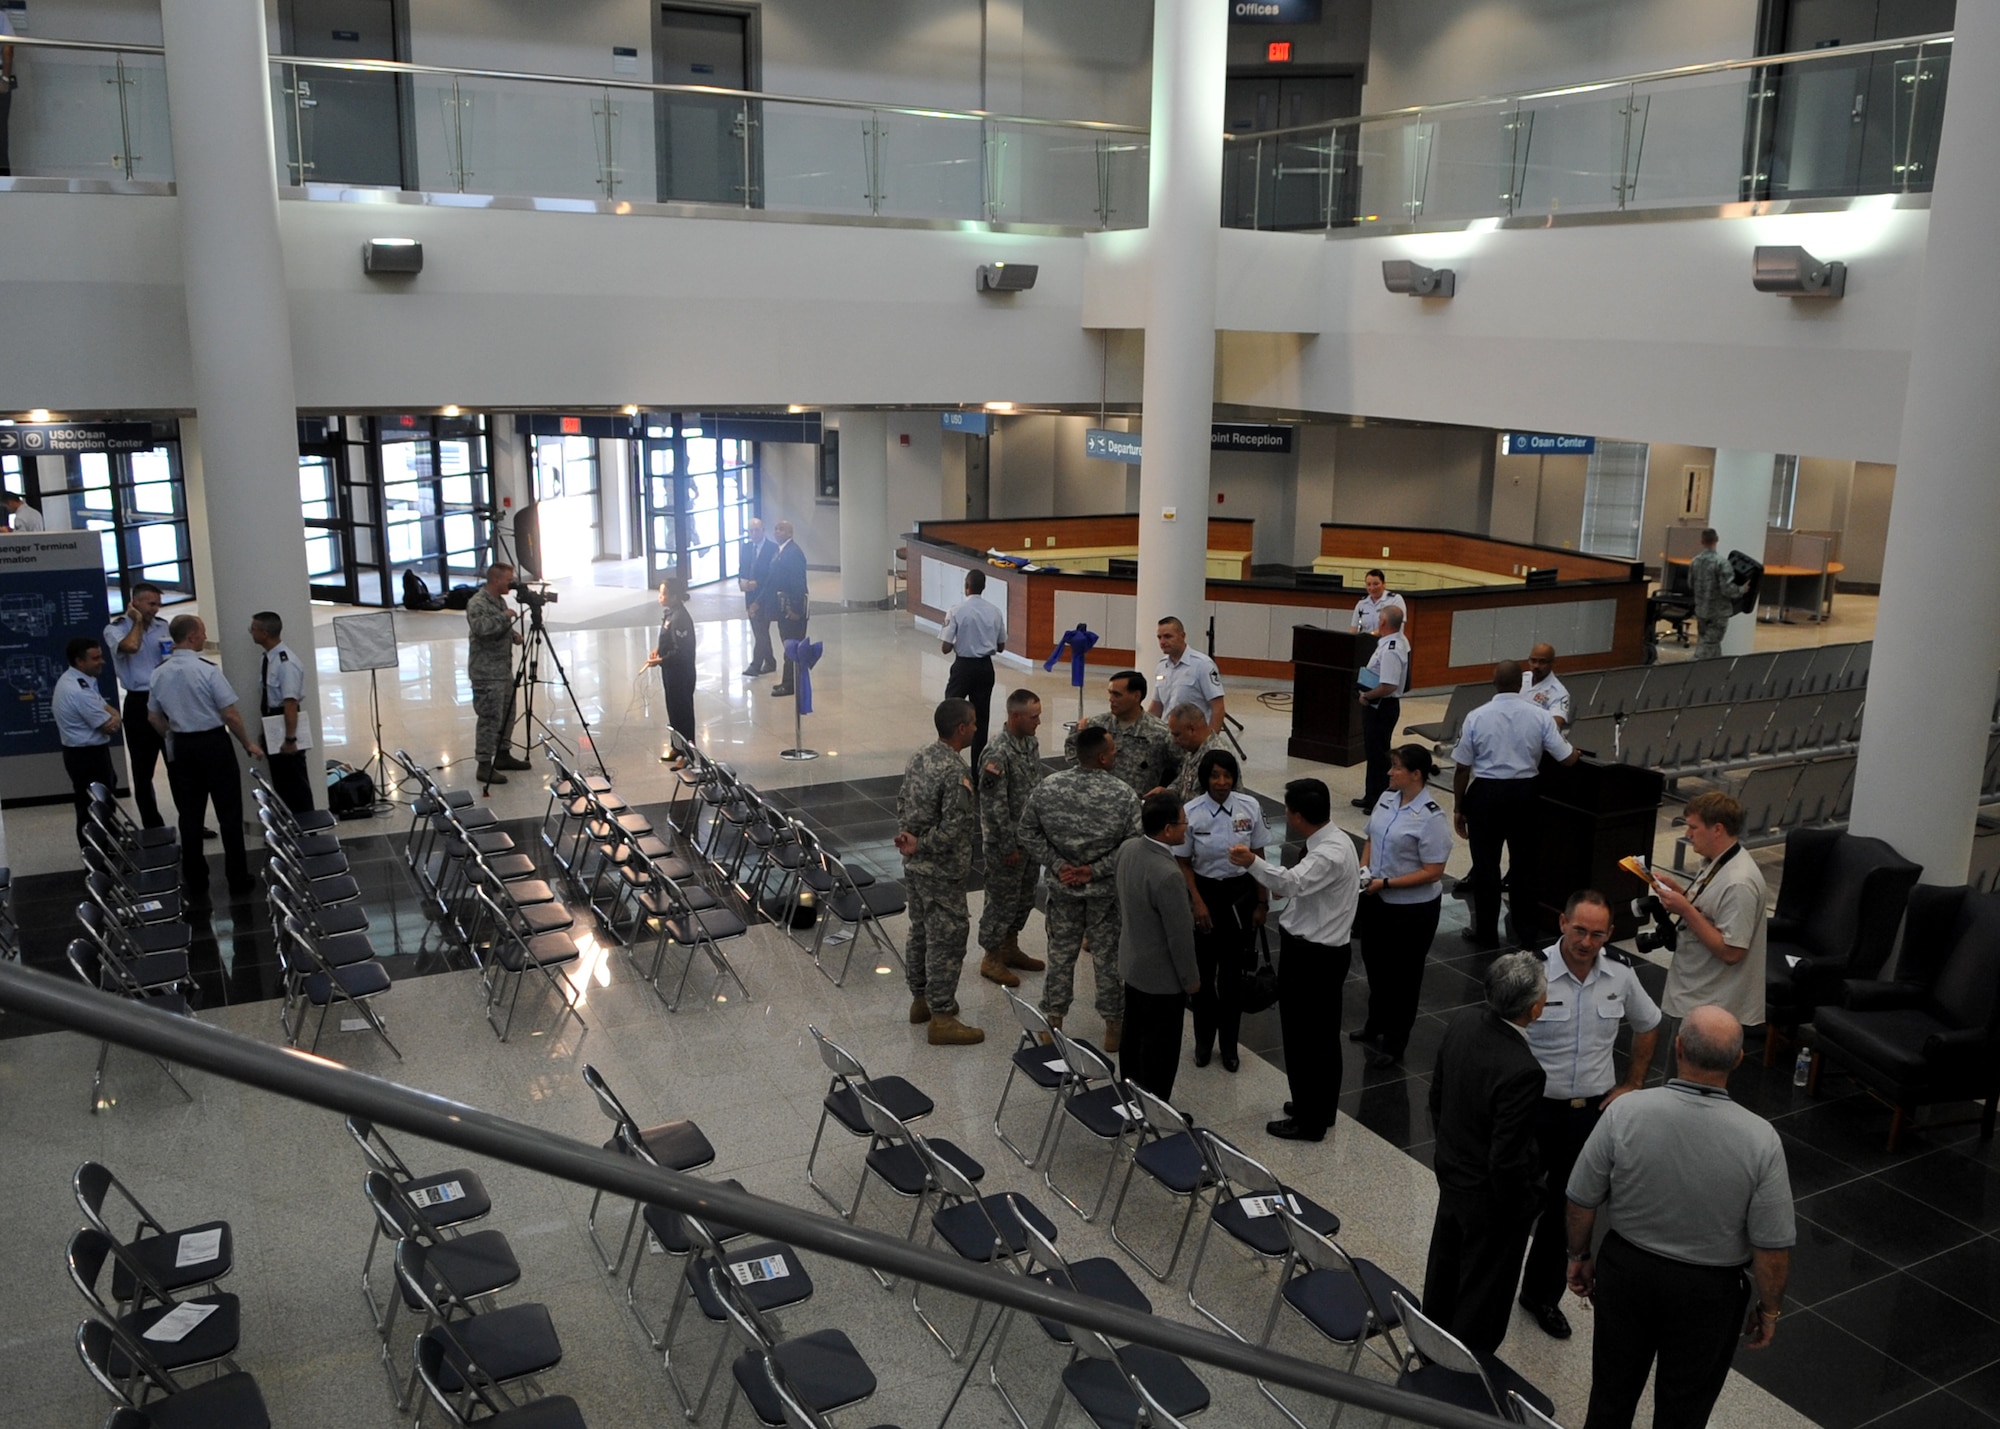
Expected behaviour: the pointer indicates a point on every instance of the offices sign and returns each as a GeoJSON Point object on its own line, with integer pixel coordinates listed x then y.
{"type": "Point", "coordinates": [1222, 437]}
{"type": "Point", "coordinates": [56, 438]}
{"type": "Point", "coordinates": [1274, 12]}
{"type": "Point", "coordinates": [1545, 444]}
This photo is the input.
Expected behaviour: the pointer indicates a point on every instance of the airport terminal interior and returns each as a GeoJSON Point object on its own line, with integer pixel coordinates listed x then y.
{"type": "Point", "coordinates": [1505, 299]}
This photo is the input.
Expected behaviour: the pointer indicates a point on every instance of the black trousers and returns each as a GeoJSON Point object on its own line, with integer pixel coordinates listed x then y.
{"type": "Point", "coordinates": [1560, 1131]}
{"type": "Point", "coordinates": [144, 750]}
{"type": "Point", "coordinates": [86, 765]}
{"type": "Point", "coordinates": [202, 769]}
{"type": "Point", "coordinates": [1475, 1256]}
{"type": "Point", "coordinates": [1220, 955]}
{"type": "Point", "coordinates": [1688, 1317]}
{"type": "Point", "coordinates": [1378, 732]}
{"type": "Point", "coordinates": [288, 776]}
{"type": "Point", "coordinates": [1149, 1048]}
{"type": "Point", "coordinates": [761, 654]}
{"type": "Point", "coordinates": [1497, 812]}
{"type": "Point", "coordinates": [790, 630]}
{"type": "Point", "coordinates": [1311, 977]}
{"type": "Point", "coordinates": [677, 677]}
{"type": "Point", "coordinates": [1395, 940]}
{"type": "Point", "coordinates": [972, 679]}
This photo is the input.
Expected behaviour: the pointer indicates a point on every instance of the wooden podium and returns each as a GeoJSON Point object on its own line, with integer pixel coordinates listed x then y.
{"type": "Point", "coordinates": [1592, 815]}
{"type": "Point", "coordinates": [1326, 716]}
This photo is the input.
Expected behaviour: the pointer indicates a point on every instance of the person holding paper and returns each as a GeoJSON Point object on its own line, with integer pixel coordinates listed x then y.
{"type": "Point", "coordinates": [1382, 682]}
{"type": "Point", "coordinates": [1229, 905]}
{"type": "Point", "coordinates": [87, 723]}
{"type": "Point", "coordinates": [1720, 955]}
{"type": "Point", "coordinates": [282, 685]}
{"type": "Point", "coordinates": [138, 641]}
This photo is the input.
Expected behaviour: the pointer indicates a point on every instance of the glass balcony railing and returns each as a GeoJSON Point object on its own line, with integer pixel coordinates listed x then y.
{"type": "Point", "coordinates": [89, 111]}
{"type": "Point", "coordinates": [1864, 119]}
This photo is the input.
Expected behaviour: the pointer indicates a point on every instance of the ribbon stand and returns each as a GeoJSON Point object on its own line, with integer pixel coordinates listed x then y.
{"type": "Point", "coordinates": [804, 654]}
{"type": "Point", "coordinates": [1078, 642]}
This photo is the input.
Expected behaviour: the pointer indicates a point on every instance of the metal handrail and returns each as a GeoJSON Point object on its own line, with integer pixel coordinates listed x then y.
{"type": "Point", "coordinates": [110, 47]}
{"type": "Point", "coordinates": [319, 1082]}
{"type": "Point", "coordinates": [1103, 126]}
{"type": "Point", "coordinates": [1419, 111]}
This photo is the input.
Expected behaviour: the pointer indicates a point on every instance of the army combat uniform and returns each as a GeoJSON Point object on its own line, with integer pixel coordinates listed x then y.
{"type": "Point", "coordinates": [490, 668]}
{"type": "Point", "coordinates": [1188, 784]}
{"type": "Point", "coordinates": [1714, 600]}
{"type": "Point", "coordinates": [1079, 818]}
{"type": "Point", "coordinates": [1148, 758]}
{"type": "Point", "coordinates": [935, 806]}
{"type": "Point", "coordinates": [1008, 774]}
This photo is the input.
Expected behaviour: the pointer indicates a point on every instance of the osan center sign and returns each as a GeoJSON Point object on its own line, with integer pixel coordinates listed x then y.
{"type": "Point", "coordinates": [1545, 444]}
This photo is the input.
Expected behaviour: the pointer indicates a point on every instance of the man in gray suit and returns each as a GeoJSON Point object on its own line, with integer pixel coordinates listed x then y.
{"type": "Point", "coordinates": [1155, 945]}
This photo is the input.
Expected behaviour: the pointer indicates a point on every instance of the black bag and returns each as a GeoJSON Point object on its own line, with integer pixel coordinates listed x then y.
{"type": "Point", "coordinates": [1748, 574]}
{"type": "Point", "coordinates": [460, 596]}
{"type": "Point", "coordinates": [350, 793]}
{"type": "Point", "coordinates": [417, 595]}
{"type": "Point", "coordinates": [1259, 988]}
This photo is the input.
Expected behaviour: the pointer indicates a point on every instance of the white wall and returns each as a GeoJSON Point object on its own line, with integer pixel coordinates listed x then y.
{"type": "Point", "coordinates": [791, 493]}
{"type": "Point", "coordinates": [916, 471]}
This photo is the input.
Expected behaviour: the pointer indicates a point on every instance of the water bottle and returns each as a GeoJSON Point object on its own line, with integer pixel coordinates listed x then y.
{"type": "Point", "coordinates": [1802, 1067]}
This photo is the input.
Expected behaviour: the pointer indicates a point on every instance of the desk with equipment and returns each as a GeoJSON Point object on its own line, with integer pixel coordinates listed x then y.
{"type": "Point", "coordinates": [1801, 569]}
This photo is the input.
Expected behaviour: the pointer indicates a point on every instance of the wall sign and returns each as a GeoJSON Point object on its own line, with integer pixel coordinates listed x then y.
{"type": "Point", "coordinates": [1107, 445]}
{"type": "Point", "coordinates": [972, 422]}
{"type": "Point", "coordinates": [1249, 437]}
{"type": "Point", "coordinates": [1274, 12]}
{"type": "Point", "coordinates": [51, 588]}
{"type": "Point", "coordinates": [1545, 444]}
{"type": "Point", "coordinates": [55, 438]}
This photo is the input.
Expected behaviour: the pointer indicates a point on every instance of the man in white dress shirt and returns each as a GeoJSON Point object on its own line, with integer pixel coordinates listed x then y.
{"type": "Point", "coordinates": [974, 632]}
{"type": "Point", "coordinates": [21, 516]}
{"type": "Point", "coordinates": [1185, 676]}
{"type": "Point", "coordinates": [87, 723]}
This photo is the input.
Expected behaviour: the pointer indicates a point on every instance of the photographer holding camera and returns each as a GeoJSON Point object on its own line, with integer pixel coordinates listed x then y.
{"type": "Point", "coordinates": [490, 667]}
{"type": "Point", "coordinates": [1718, 940]}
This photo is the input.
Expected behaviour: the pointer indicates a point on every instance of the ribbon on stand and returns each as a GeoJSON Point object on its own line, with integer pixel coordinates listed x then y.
{"type": "Point", "coordinates": [804, 654]}
{"type": "Point", "coordinates": [1078, 643]}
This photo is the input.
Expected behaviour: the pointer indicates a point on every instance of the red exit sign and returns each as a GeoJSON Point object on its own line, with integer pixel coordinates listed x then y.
{"type": "Point", "coordinates": [1278, 52]}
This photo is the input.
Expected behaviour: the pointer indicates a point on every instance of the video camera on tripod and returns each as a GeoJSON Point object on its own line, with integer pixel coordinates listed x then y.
{"type": "Point", "coordinates": [533, 595]}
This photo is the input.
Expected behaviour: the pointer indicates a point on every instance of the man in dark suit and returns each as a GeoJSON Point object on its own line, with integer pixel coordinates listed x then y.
{"type": "Point", "coordinates": [753, 571]}
{"type": "Point", "coordinates": [1485, 1092]}
{"type": "Point", "coordinates": [783, 596]}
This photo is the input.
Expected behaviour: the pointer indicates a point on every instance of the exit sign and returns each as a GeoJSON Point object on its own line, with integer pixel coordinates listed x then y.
{"type": "Point", "coordinates": [1278, 52]}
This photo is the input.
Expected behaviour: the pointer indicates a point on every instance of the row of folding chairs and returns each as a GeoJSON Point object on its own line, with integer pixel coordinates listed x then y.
{"type": "Point", "coordinates": [1694, 738]}
{"type": "Point", "coordinates": [10, 927]}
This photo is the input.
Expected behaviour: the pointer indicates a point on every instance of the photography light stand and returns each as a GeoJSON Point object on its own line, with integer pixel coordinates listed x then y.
{"type": "Point", "coordinates": [368, 642]}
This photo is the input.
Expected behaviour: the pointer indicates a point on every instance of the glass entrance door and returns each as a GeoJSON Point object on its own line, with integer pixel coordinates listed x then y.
{"type": "Point", "coordinates": [437, 489]}
{"type": "Point", "coordinates": [698, 489]}
{"type": "Point", "coordinates": [137, 504]}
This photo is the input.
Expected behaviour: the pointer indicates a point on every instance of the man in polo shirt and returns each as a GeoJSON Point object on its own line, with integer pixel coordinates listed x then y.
{"type": "Point", "coordinates": [1697, 1193]}
{"type": "Point", "coordinates": [975, 630]}
{"type": "Point", "coordinates": [1185, 676]}
{"type": "Point", "coordinates": [1591, 993]}
{"type": "Point", "coordinates": [1720, 954]}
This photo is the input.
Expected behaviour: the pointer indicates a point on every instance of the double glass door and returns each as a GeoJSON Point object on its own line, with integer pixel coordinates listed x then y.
{"type": "Point", "coordinates": [341, 513]}
{"type": "Point", "coordinates": [698, 492]}
{"type": "Point", "coordinates": [137, 504]}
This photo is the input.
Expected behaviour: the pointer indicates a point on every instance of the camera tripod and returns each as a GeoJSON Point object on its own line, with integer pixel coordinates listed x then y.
{"type": "Point", "coordinates": [535, 644]}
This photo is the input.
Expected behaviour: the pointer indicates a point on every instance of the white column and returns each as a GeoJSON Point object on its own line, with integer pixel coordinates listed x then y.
{"type": "Point", "coordinates": [1930, 684]}
{"type": "Point", "coordinates": [1739, 508]}
{"type": "Point", "coordinates": [864, 509]}
{"type": "Point", "coordinates": [1190, 50]}
{"type": "Point", "coordinates": [247, 531]}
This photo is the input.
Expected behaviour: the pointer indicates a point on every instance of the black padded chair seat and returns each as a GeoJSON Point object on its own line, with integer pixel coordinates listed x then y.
{"type": "Point", "coordinates": [1097, 1109]}
{"type": "Point", "coordinates": [895, 1094]}
{"type": "Point", "coordinates": [656, 902]}
{"type": "Point", "coordinates": [558, 1411]}
{"type": "Point", "coordinates": [966, 1229]}
{"type": "Point", "coordinates": [312, 845]}
{"type": "Point", "coordinates": [539, 918]}
{"type": "Point", "coordinates": [529, 890]}
{"type": "Point", "coordinates": [162, 937]}
{"type": "Point", "coordinates": [875, 900]}
{"type": "Point", "coordinates": [315, 821]}
{"type": "Point", "coordinates": [323, 866]}
{"type": "Point", "coordinates": [356, 980]}
{"type": "Point", "coordinates": [156, 894]}
{"type": "Point", "coordinates": [717, 923]}
{"type": "Point", "coordinates": [207, 1342]}
{"type": "Point", "coordinates": [157, 969]}
{"type": "Point", "coordinates": [470, 1266]}
{"type": "Point", "coordinates": [164, 854]}
{"type": "Point", "coordinates": [341, 888]}
{"type": "Point", "coordinates": [1334, 1304]}
{"type": "Point", "coordinates": [156, 1255]}
{"type": "Point", "coordinates": [901, 1167]}
{"type": "Point", "coordinates": [511, 867]}
{"type": "Point", "coordinates": [231, 1402]}
{"type": "Point", "coordinates": [676, 1145]}
{"type": "Point", "coordinates": [1176, 1163]}
{"type": "Point", "coordinates": [342, 949]}
{"type": "Point", "coordinates": [1266, 1234]}
{"type": "Point", "coordinates": [794, 1286]}
{"type": "Point", "coordinates": [453, 798]}
{"type": "Point", "coordinates": [346, 918]}
{"type": "Point", "coordinates": [505, 1343]}
{"type": "Point", "coordinates": [550, 950]}
{"type": "Point", "coordinates": [1889, 1041]}
{"type": "Point", "coordinates": [1449, 1386]}
{"type": "Point", "coordinates": [1034, 1064]}
{"type": "Point", "coordinates": [824, 1370]}
{"type": "Point", "coordinates": [671, 1231]}
{"type": "Point", "coordinates": [1101, 1392]}
{"type": "Point", "coordinates": [1101, 1278]}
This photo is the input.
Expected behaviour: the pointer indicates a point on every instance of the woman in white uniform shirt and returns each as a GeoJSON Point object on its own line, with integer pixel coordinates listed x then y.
{"type": "Point", "coordinates": [1229, 905]}
{"type": "Point", "coordinates": [1409, 839]}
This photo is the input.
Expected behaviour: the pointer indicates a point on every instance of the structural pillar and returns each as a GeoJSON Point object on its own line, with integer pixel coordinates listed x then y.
{"type": "Point", "coordinates": [245, 526]}
{"type": "Point", "coordinates": [1930, 683]}
{"type": "Point", "coordinates": [1190, 52]}
{"type": "Point", "coordinates": [864, 510]}
{"type": "Point", "coordinates": [1739, 508]}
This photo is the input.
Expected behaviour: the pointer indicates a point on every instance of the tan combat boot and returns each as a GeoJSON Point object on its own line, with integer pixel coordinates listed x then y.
{"type": "Point", "coordinates": [948, 1031]}
{"type": "Point", "coordinates": [993, 969]}
{"type": "Point", "coordinates": [1044, 1039]}
{"type": "Point", "coordinates": [920, 1011]}
{"type": "Point", "coordinates": [1113, 1027]}
{"type": "Point", "coordinates": [1011, 954]}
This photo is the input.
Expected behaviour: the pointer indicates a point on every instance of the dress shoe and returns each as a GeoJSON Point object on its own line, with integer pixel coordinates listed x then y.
{"type": "Point", "coordinates": [1359, 803]}
{"type": "Point", "coordinates": [1361, 1034]}
{"type": "Point", "coordinates": [1290, 1107]}
{"type": "Point", "coordinates": [781, 690]}
{"type": "Point", "coordinates": [1203, 1056]}
{"type": "Point", "coordinates": [1380, 1057]}
{"type": "Point", "coordinates": [1292, 1130]}
{"type": "Point", "coordinates": [920, 1011]}
{"type": "Point", "coordinates": [210, 834]}
{"type": "Point", "coordinates": [947, 1031]}
{"type": "Point", "coordinates": [1551, 1319]}
{"type": "Point", "coordinates": [1230, 1062]}
{"type": "Point", "coordinates": [1011, 954]}
{"type": "Point", "coordinates": [486, 774]}
{"type": "Point", "coordinates": [509, 761]}
{"type": "Point", "coordinates": [1114, 1030]}
{"type": "Point", "coordinates": [994, 970]}
{"type": "Point", "coordinates": [752, 670]}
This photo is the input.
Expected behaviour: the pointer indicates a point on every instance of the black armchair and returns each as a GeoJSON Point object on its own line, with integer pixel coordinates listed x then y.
{"type": "Point", "coordinates": [1932, 1035]}
{"type": "Point", "coordinates": [1839, 907]}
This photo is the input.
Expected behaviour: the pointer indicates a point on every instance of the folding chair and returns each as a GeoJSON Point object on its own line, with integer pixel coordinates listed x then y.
{"type": "Point", "coordinates": [676, 1145]}
{"type": "Point", "coordinates": [894, 1159]}
{"type": "Point", "coordinates": [768, 1276]}
{"type": "Point", "coordinates": [107, 975]}
{"type": "Point", "coordinates": [1443, 1369]}
{"type": "Point", "coordinates": [445, 1201]}
{"type": "Point", "coordinates": [312, 821]}
{"type": "Point", "coordinates": [321, 984]}
{"type": "Point", "coordinates": [691, 920]}
{"type": "Point", "coordinates": [231, 1402]}
{"type": "Point", "coordinates": [843, 1104]}
{"type": "Point", "coordinates": [110, 815]}
{"type": "Point", "coordinates": [476, 1266]}
{"type": "Point", "coordinates": [120, 903]}
{"type": "Point", "coordinates": [515, 951]}
{"type": "Point", "coordinates": [203, 1330]}
{"type": "Point", "coordinates": [136, 942]}
{"type": "Point", "coordinates": [769, 835]}
{"type": "Point", "coordinates": [859, 905]}
{"type": "Point", "coordinates": [1036, 1059]}
{"type": "Point", "coordinates": [1095, 1099]}
{"type": "Point", "coordinates": [668, 1230]}
{"type": "Point", "coordinates": [142, 884]}
{"type": "Point", "coordinates": [554, 1411]}
{"type": "Point", "coordinates": [982, 1229]}
{"type": "Point", "coordinates": [310, 841]}
{"type": "Point", "coordinates": [489, 1349]}
{"type": "Point", "coordinates": [172, 1260]}
{"type": "Point", "coordinates": [1167, 1152]}
{"type": "Point", "coordinates": [638, 895]}
{"type": "Point", "coordinates": [692, 775]}
{"type": "Point", "coordinates": [823, 1370]}
{"type": "Point", "coordinates": [1347, 1299]}
{"type": "Point", "coordinates": [1117, 1387]}
{"type": "Point", "coordinates": [1246, 1201]}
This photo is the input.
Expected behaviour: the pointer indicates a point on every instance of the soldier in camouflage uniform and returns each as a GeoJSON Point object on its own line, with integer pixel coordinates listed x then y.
{"type": "Point", "coordinates": [1073, 826]}
{"type": "Point", "coordinates": [489, 666]}
{"type": "Point", "coordinates": [1147, 759]}
{"type": "Point", "coordinates": [935, 821]}
{"type": "Point", "coordinates": [1187, 724]}
{"type": "Point", "coordinates": [1008, 774]}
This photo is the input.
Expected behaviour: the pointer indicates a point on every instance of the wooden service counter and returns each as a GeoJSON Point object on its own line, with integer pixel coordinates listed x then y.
{"type": "Point", "coordinates": [1594, 615]}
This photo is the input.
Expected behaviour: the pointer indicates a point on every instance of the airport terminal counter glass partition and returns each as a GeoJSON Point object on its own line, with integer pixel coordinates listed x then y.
{"type": "Point", "coordinates": [1473, 601]}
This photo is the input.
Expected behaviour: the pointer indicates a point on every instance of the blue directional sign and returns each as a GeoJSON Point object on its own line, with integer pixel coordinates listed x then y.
{"type": "Point", "coordinates": [1112, 446]}
{"type": "Point", "coordinates": [1545, 444]}
{"type": "Point", "coordinates": [972, 422]}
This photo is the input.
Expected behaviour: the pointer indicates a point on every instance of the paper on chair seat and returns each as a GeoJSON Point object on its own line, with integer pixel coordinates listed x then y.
{"type": "Point", "coordinates": [1056, 1064]}
{"type": "Point", "coordinates": [437, 1195]}
{"type": "Point", "coordinates": [178, 1323]}
{"type": "Point", "coordinates": [1257, 1207]}
{"type": "Point", "coordinates": [770, 1267]}
{"type": "Point", "coordinates": [198, 1248]}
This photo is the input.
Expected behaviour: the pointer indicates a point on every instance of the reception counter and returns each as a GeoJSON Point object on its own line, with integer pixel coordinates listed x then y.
{"type": "Point", "coordinates": [1594, 613]}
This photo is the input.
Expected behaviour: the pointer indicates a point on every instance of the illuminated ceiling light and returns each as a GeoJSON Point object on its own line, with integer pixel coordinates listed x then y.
{"type": "Point", "coordinates": [795, 407]}
{"type": "Point", "coordinates": [449, 410]}
{"type": "Point", "coordinates": [999, 406]}
{"type": "Point", "coordinates": [630, 409]}
{"type": "Point", "coordinates": [39, 414]}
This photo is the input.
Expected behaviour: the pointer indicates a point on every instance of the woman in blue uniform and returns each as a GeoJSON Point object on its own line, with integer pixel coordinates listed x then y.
{"type": "Point", "coordinates": [1409, 839]}
{"type": "Point", "coordinates": [1229, 904]}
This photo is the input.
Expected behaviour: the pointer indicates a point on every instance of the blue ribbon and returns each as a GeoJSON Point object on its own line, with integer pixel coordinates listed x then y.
{"type": "Point", "coordinates": [1078, 643]}
{"type": "Point", "coordinates": [804, 654]}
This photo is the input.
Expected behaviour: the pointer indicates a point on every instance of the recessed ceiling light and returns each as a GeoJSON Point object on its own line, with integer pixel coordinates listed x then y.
{"type": "Point", "coordinates": [39, 414]}
{"type": "Point", "coordinates": [999, 406]}
{"type": "Point", "coordinates": [450, 410]}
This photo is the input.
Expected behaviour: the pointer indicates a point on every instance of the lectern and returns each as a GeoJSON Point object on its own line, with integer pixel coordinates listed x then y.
{"type": "Point", "coordinates": [1326, 716]}
{"type": "Point", "coordinates": [1592, 815]}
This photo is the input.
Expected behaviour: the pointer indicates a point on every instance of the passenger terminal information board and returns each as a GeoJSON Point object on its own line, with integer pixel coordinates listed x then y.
{"type": "Point", "coordinates": [51, 589]}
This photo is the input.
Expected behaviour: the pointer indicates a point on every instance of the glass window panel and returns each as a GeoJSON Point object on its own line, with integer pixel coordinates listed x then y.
{"type": "Point", "coordinates": [152, 465]}
{"type": "Point", "coordinates": [322, 553]}
{"type": "Point", "coordinates": [166, 574]}
{"type": "Point", "coordinates": [662, 461]}
{"type": "Point", "coordinates": [157, 543]}
{"type": "Point", "coordinates": [109, 543]}
{"type": "Point", "coordinates": [455, 458]}
{"type": "Point", "coordinates": [701, 454]}
{"type": "Point", "coordinates": [456, 490]}
{"type": "Point", "coordinates": [706, 492]}
{"type": "Point", "coordinates": [704, 565]}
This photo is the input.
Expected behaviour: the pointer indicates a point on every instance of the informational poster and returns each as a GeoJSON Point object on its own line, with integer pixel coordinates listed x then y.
{"type": "Point", "coordinates": [51, 590]}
